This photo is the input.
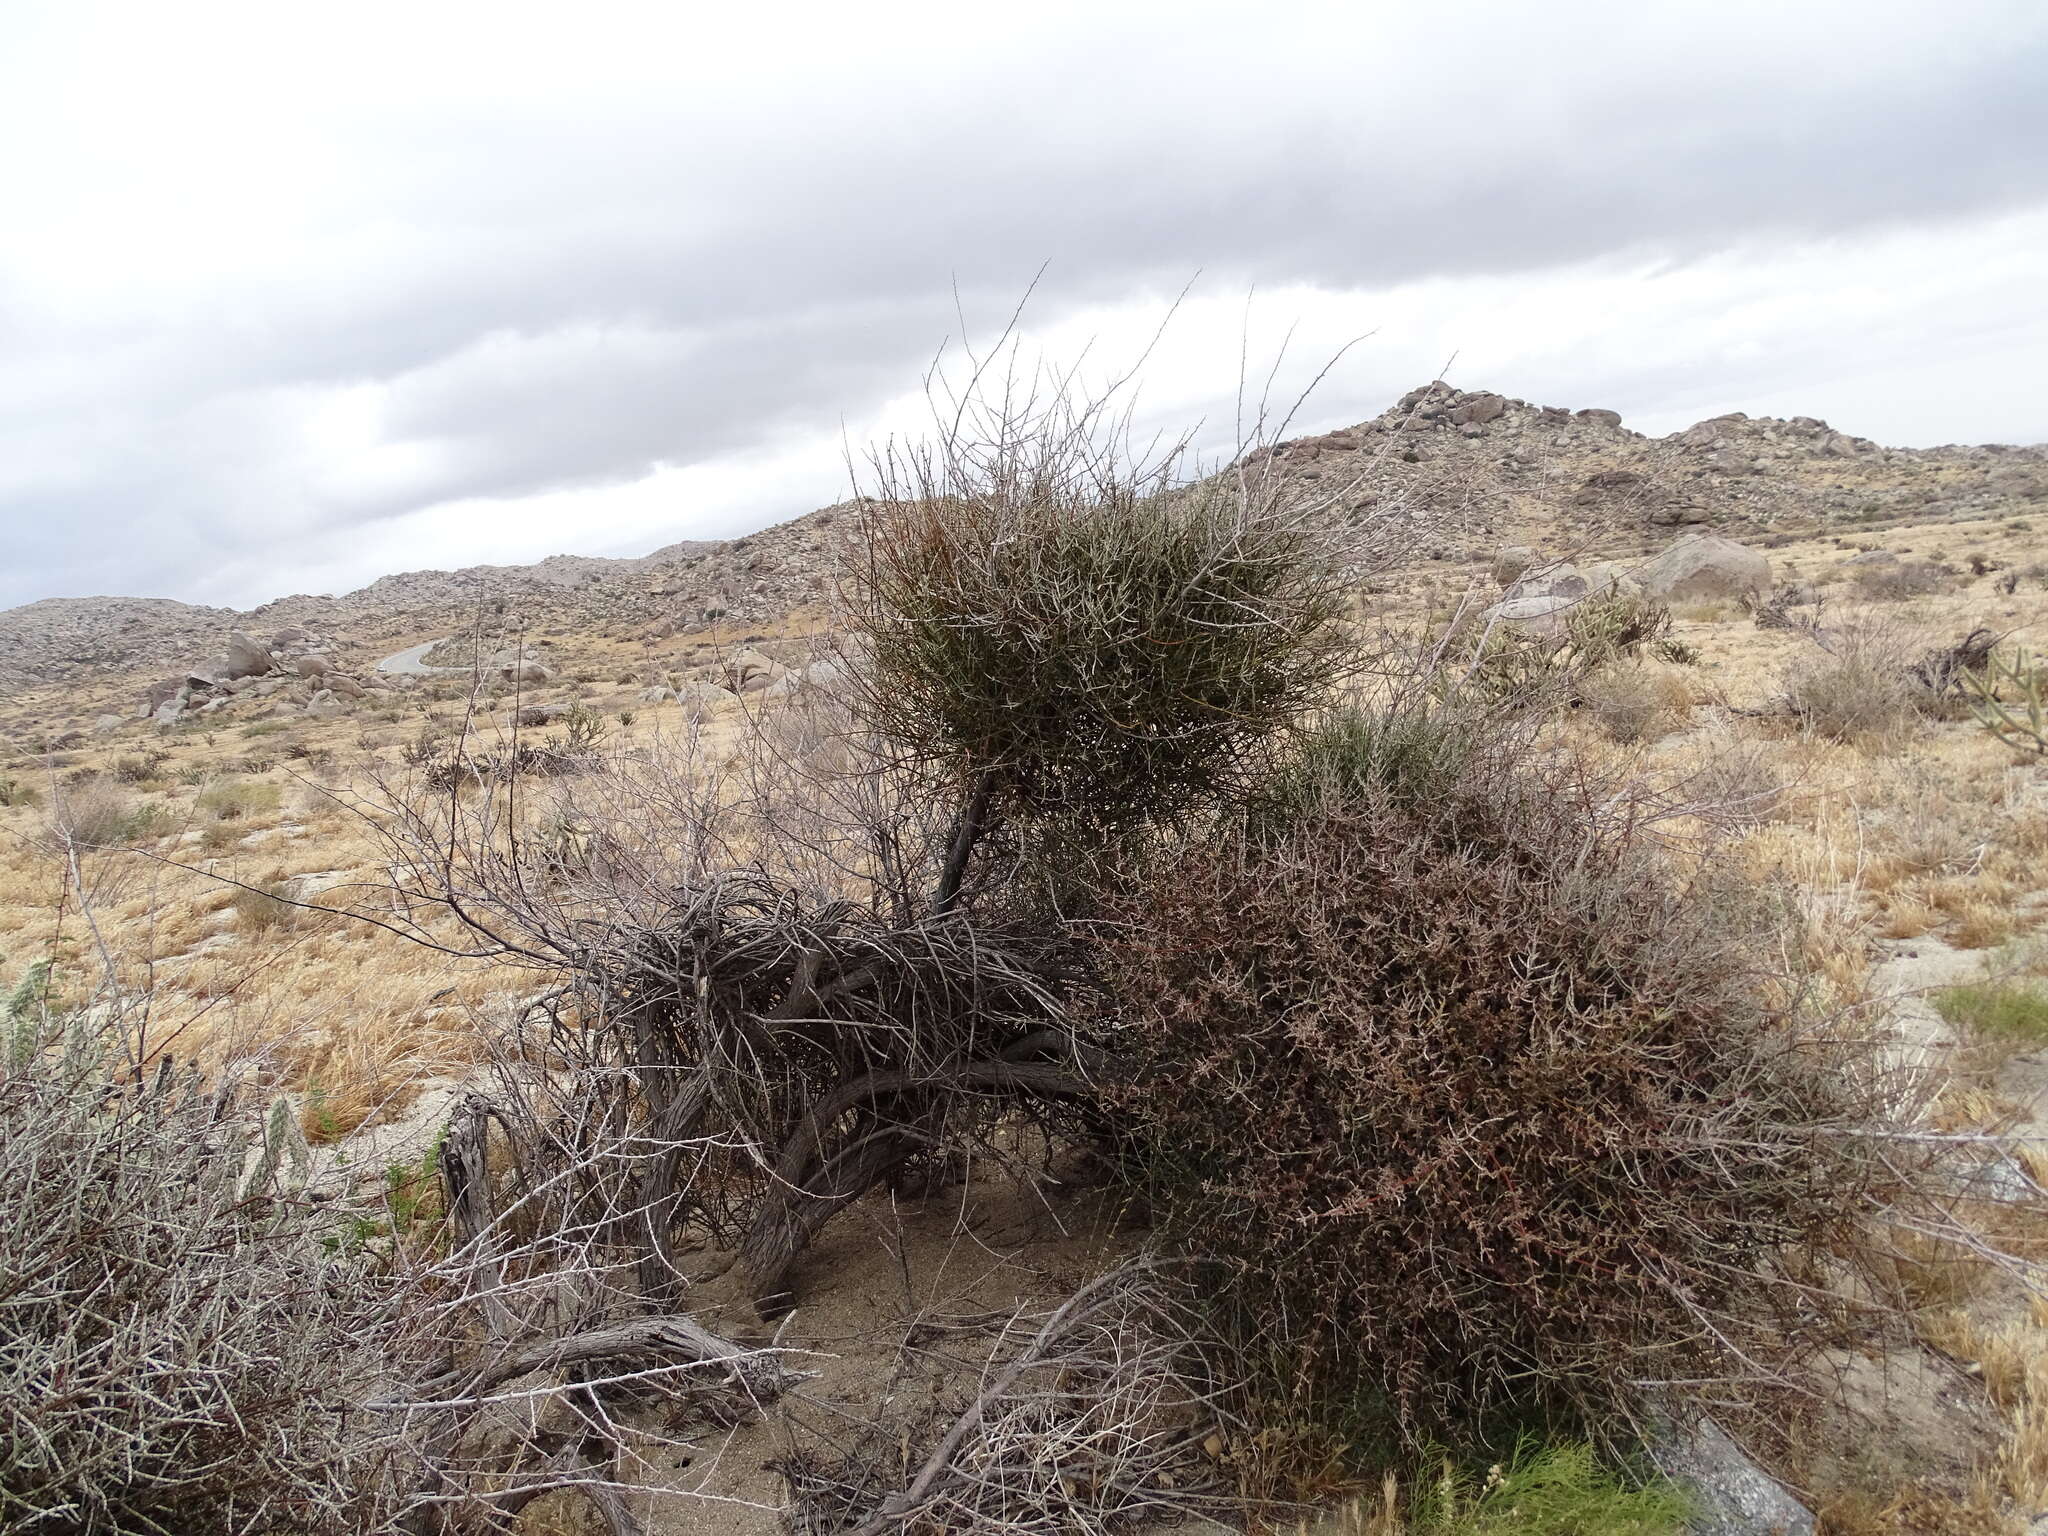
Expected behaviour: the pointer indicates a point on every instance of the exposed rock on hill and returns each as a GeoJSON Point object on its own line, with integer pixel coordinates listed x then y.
{"type": "Point", "coordinates": [68, 636]}
{"type": "Point", "coordinates": [419, 589]}
{"type": "Point", "coordinates": [1586, 478]}
{"type": "Point", "coordinates": [1480, 464]}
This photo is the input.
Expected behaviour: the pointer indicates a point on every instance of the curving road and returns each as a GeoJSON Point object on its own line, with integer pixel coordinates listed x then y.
{"type": "Point", "coordinates": [407, 662]}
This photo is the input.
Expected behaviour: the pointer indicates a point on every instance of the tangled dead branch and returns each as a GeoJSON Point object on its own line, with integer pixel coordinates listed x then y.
{"type": "Point", "coordinates": [1098, 1416]}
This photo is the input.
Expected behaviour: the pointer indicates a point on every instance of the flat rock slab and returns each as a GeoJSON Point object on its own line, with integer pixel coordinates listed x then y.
{"type": "Point", "coordinates": [1733, 1496]}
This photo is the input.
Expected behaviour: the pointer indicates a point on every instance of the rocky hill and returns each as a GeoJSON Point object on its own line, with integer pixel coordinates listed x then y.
{"type": "Point", "coordinates": [1583, 477]}
{"type": "Point", "coordinates": [67, 637]}
{"type": "Point", "coordinates": [62, 637]}
{"type": "Point", "coordinates": [1481, 467]}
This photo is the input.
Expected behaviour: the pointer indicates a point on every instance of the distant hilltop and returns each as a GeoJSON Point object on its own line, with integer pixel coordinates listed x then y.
{"type": "Point", "coordinates": [1491, 464]}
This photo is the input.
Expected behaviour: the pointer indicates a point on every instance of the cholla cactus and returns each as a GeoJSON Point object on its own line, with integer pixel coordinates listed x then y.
{"type": "Point", "coordinates": [2020, 720]}
{"type": "Point", "coordinates": [21, 1016]}
{"type": "Point", "coordinates": [283, 1145]}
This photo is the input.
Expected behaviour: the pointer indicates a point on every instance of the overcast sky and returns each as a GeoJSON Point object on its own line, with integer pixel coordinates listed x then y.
{"type": "Point", "coordinates": [292, 296]}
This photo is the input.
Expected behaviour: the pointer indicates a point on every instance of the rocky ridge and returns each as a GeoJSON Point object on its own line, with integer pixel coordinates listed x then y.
{"type": "Point", "coordinates": [1489, 468]}
{"type": "Point", "coordinates": [1583, 477]}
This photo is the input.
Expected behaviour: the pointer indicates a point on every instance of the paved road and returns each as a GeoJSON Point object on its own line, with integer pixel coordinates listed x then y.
{"type": "Point", "coordinates": [408, 661]}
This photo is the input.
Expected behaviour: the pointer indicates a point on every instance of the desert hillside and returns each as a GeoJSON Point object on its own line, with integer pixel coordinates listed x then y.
{"type": "Point", "coordinates": [1494, 468]}
{"type": "Point", "coordinates": [456, 875]}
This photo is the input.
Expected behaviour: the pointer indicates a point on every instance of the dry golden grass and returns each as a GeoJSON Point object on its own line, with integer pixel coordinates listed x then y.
{"type": "Point", "coordinates": [2011, 1359]}
{"type": "Point", "coordinates": [1916, 1510]}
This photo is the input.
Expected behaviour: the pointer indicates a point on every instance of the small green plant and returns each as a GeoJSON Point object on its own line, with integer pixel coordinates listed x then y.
{"type": "Point", "coordinates": [1542, 1490]}
{"type": "Point", "coordinates": [1554, 1490]}
{"type": "Point", "coordinates": [317, 1117]}
{"type": "Point", "coordinates": [263, 728]}
{"type": "Point", "coordinates": [2006, 1012]}
{"type": "Point", "coordinates": [413, 1193]}
{"type": "Point", "coordinates": [626, 719]}
{"type": "Point", "coordinates": [1676, 652]}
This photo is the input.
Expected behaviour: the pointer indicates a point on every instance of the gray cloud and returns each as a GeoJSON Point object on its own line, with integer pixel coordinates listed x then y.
{"type": "Point", "coordinates": [343, 289]}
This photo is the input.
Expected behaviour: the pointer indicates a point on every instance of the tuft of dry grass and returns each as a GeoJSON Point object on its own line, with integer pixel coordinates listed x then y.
{"type": "Point", "coordinates": [2012, 1361]}
{"type": "Point", "coordinates": [1858, 691]}
{"type": "Point", "coordinates": [1634, 703]}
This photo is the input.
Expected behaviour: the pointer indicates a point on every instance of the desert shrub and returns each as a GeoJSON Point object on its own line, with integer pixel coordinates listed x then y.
{"type": "Point", "coordinates": [1408, 748]}
{"type": "Point", "coordinates": [1079, 638]}
{"type": "Point", "coordinates": [1896, 580]}
{"type": "Point", "coordinates": [1736, 785]}
{"type": "Point", "coordinates": [138, 767]}
{"type": "Point", "coordinates": [1861, 689]}
{"type": "Point", "coordinates": [1635, 704]}
{"type": "Point", "coordinates": [15, 791]}
{"type": "Point", "coordinates": [832, 952]}
{"type": "Point", "coordinates": [1472, 1103]}
{"type": "Point", "coordinates": [428, 746]}
{"type": "Point", "coordinates": [239, 802]}
{"type": "Point", "coordinates": [102, 816]}
{"type": "Point", "coordinates": [262, 908]}
{"type": "Point", "coordinates": [178, 1354]}
{"type": "Point", "coordinates": [219, 836]}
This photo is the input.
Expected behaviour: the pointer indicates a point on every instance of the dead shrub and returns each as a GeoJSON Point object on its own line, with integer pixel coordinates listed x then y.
{"type": "Point", "coordinates": [1859, 688]}
{"type": "Point", "coordinates": [1100, 1416]}
{"type": "Point", "coordinates": [98, 815]}
{"type": "Point", "coordinates": [264, 908]}
{"type": "Point", "coordinates": [1635, 704]}
{"type": "Point", "coordinates": [1896, 580]}
{"type": "Point", "coordinates": [1474, 1103]}
{"type": "Point", "coordinates": [177, 1352]}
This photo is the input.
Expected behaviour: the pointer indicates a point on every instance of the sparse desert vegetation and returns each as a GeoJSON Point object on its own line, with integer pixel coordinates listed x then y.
{"type": "Point", "coordinates": [1170, 1002]}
